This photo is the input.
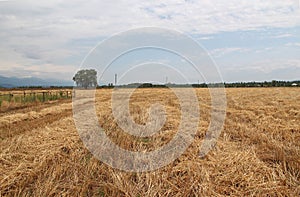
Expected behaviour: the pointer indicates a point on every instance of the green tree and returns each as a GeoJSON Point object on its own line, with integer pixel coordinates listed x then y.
{"type": "Point", "coordinates": [86, 78]}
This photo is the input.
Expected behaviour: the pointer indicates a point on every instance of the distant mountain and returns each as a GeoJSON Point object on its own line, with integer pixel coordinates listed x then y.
{"type": "Point", "coordinates": [11, 82]}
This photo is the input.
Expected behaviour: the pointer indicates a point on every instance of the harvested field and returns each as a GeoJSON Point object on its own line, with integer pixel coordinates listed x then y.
{"type": "Point", "coordinates": [257, 154]}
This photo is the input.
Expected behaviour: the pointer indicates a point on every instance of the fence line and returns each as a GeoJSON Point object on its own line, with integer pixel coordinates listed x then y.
{"type": "Point", "coordinates": [36, 95]}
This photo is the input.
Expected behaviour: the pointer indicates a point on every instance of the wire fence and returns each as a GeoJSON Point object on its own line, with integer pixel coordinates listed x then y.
{"type": "Point", "coordinates": [34, 96]}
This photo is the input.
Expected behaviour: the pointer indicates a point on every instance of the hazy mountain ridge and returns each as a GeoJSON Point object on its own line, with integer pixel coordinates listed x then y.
{"type": "Point", "coordinates": [11, 82]}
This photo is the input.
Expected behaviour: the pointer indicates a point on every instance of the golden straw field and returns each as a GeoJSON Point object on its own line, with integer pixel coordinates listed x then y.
{"type": "Point", "coordinates": [257, 153]}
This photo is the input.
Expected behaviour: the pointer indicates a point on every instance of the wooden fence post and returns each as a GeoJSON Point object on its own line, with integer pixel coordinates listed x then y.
{"type": "Point", "coordinates": [10, 96]}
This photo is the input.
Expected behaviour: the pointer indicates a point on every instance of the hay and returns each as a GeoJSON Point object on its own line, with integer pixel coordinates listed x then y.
{"type": "Point", "coordinates": [257, 154]}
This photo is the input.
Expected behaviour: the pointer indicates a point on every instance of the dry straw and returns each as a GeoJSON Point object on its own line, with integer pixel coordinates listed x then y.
{"type": "Point", "coordinates": [258, 153]}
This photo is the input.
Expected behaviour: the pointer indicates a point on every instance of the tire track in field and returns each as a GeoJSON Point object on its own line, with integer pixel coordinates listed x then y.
{"type": "Point", "coordinates": [40, 153]}
{"type": "Point", "coordinates": [31, 107]}
{"type": "Point", "coordinates": [15, 124]}
{"type": "Point", "coordinates": [9, 130]}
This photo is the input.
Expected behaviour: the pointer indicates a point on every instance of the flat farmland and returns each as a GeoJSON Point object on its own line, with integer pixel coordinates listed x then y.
{"type": "Point", "coordinates": [257, 153]}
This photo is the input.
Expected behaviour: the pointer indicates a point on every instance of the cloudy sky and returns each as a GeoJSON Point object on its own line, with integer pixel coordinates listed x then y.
{"type": "Point", "coordinates": [248, 40]}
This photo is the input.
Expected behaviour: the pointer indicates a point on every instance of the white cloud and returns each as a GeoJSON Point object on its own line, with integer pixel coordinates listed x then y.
{"type": "Point", "coordinates": [264, 49]}
{"type": "Point", "coordinates": [283, 36]}
{"type": "Point", "coordinates": [224, 51]}
{"type": "Point", "coordinates": [268, 65]}
{"type": "Point", "coordinates": [77, 19]}
{"type": "Point", "coordinates": [38, 32]}
{"type": "Point", "coordinates": [271, 69]}
{"type": "Point", "coordinates": [296, 44]}
{"type": "Point", "coordinates": [41, 70]}
{"type": "Point", "coordinates": [206, 38]}
{"type": "Point", "coordinates": [219, 15]}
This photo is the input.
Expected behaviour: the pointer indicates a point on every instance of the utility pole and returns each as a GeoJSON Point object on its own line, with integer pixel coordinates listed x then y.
{"type": "Point", "coordinates": [116, 78]}
{"type": "Point", "coordinates": [166, 80]}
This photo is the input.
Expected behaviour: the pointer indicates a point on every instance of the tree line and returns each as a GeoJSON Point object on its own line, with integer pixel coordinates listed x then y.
{"type": "Point", "coordinates": [205, 85]}
{"type": "Point", "coordinates": [88, 78]}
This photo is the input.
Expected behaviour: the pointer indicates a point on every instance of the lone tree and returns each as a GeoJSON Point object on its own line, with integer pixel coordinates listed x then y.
{"type": "Point", "coordinates": [86, 78]}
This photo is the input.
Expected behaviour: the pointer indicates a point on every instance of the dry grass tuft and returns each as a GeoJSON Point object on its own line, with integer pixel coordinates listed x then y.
{"type": "Point", "coordinates": [258, 153]}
